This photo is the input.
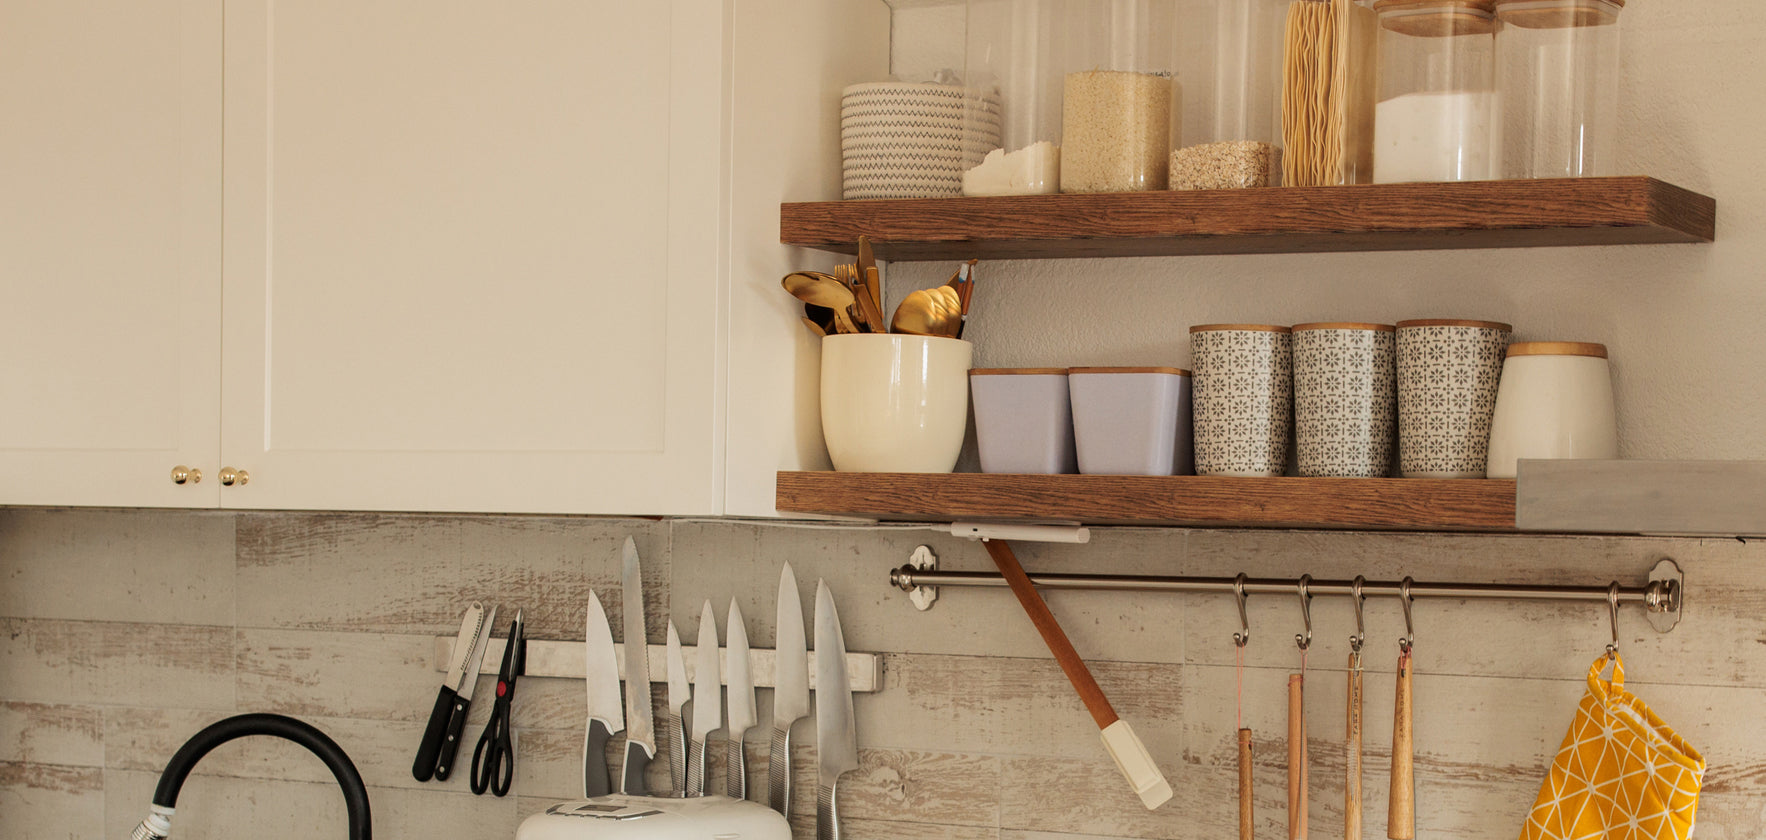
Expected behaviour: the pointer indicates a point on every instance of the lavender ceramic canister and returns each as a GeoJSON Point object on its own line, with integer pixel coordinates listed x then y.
{"type": "Point", "coordinates": [1345, 399]}
{"type": "Point", "coordinates": [1244, 398]}
{"type": "Point", "coordinates": [1448, 374]}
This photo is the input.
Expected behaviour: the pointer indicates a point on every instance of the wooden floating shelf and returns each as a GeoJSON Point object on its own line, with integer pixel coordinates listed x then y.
{"type": "Point", "coordinates": [1383, 217]}
{"type": "Point", "coordinates": [1402, 504]}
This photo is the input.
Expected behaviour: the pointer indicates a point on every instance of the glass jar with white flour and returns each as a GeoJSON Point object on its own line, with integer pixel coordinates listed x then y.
{"type": "Point", "coordinates": [1438, 117]}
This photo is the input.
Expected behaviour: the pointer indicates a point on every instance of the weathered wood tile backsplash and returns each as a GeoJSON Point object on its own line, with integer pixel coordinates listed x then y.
{"type": "Point", "coordinates": [126, 631]}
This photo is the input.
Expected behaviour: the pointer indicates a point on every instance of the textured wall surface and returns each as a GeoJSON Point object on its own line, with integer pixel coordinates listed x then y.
{"type": "Point", "coordinates": [126, 631]}
{"type": "Point", "coordinates": [1681, 321]}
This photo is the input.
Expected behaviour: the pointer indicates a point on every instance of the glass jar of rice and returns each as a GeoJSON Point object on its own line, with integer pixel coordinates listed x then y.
{"type": "Point", "coordinates": [1120, 97]}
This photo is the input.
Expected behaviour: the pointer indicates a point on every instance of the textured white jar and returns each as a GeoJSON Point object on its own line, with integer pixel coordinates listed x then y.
{"type": "Point", "coordinates": [1555, 401]}
{"type": "Point", "coordinates": [1131, 420]}
{"type": "Point", "coordinates": [1244, 398]}
{"type": "Point", "coordinates": [894, 403]}
{"type": "Point", "coordinates": [1345, 399]}
{"type": "Point", "coordinates": [1448, 374]}
{"type": "Point", "coordinates": [1023, 420]}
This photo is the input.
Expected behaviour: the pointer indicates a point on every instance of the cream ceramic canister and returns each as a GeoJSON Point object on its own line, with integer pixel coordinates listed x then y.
{"type": "Point", "coordinates": [1345, 399]}
{"type": "Point", "coordinates": [1555, 401]}
{"type": "Point", "coordinates": [1244, 398]}
{"type": "Point", "coordinates": [1448, 372]}
{"type": "Point", "coordinates": [894, 403]}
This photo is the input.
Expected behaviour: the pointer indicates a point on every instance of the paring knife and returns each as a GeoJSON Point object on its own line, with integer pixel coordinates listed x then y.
{"type": "Point", "coordinates": [444, 763]}
{"type": "Point", "coordinates": [836, 740]}
{"type": "Point", "coordinates": [742, 715]}
{"type": "Point", "coordinates": [474, 629]}
{"type": "Point", "coordinates": [678, 695]}
{"type": "Point", "coordinates": [791, 694]}
{"type": "Point", "coordinates": [640, 728]}
{"type": "Point", "coordinates": [708, 703]}
{"type": "Point", "coordinates": [605, 713]}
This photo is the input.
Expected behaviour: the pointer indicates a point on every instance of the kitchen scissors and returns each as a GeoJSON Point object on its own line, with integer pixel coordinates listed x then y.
{"type": "Point", "coordinates": [493, 760]}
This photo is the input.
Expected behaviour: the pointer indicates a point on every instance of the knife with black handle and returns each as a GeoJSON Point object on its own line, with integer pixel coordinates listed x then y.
{"type": "Point", "coordinates": [462, 673]}
{"type": "Point", "coordinates": [429, 749]}
{"type": "Point", "coordinates": [450, 745]}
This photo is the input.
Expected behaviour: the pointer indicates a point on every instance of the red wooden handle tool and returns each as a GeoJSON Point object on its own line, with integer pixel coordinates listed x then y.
{"type": "Point", "coordinates": [1130, 754]}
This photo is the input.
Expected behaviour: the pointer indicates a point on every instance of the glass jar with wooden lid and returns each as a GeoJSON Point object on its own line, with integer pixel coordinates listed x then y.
{"type": "Point", "coordinates": [1557, 70]}
{"type": "Point", "coordinates": [1438, 117]}
{"type": "Point", "coordinates": [1121, 101]}
{"type": "Point", "coordinates": [1555, 401]}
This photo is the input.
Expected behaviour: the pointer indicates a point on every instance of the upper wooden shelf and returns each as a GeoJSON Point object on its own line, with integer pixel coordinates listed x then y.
{"type": "Point", "coordinates": [1384, 217]}
{"type": "Point", "coordinates": [1402, 504]}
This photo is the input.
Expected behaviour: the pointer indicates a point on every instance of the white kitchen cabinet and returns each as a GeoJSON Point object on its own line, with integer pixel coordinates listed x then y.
{"type": "Point", "coordinates": [478, 256]}
{"type": "Point", "coordinates": [110, 251]}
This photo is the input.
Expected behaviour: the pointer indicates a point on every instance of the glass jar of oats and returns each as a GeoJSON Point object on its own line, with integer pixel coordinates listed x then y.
{"type": "Point", "coordinates": [1230, 58]}
{"type": "Point", "coordinates": [1120, 98]}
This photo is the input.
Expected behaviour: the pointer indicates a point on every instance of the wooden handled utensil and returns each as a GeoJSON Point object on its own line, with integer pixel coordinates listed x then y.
{"type": "Point", "coordinates": [1297, 776]}
{"type": "Point", "coordinates": [1352, 760]}
{"type": "Point", "coordinates": [1119, 740]}
{"type": "Point", "coordinates": [1401, 815]}
{"type": "Point", "coordinates": [1247, 822]}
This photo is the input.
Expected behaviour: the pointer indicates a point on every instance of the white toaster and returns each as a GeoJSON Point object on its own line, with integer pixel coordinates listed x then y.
{"type": "Point", "coordinates": [622, 817]}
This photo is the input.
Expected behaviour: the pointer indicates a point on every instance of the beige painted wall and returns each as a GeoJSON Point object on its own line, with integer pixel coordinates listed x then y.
{"type": "Point", "coordinates": [126, 631]}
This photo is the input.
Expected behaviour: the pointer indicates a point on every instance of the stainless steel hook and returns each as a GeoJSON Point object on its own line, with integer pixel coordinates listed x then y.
{"type": "Point", "coordinates": [1360, 627]}
{"type": "Point", "coordinates": [1613, 617]}
{"type": "Point", "coordinates": [1409, 637]}
{"type": "Point", "coordinates": [1242, 637]}
{"type": "Point", "coordinates": [1304, 640]}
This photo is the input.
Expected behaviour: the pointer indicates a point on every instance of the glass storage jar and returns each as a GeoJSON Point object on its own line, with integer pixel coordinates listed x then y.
{"type": "Point", "coordinates": [1011, 67]}
{"type": "Point", "coordinates": [1120, 99]}
{"type": "Point", "coordinates": [1330, 63]}
{"type": "Point", "coordinates": [1230, 62]}
{"type": "Point", "coordinates": [1557, 70]}
{"type": "Point", "coordinates": [1438, 117]}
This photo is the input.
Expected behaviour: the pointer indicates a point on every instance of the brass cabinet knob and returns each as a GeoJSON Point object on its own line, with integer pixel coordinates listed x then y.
{"type": "Point", "coordinates": [230, 477]}
{"type": "Point", "coordinates": [182, 475]}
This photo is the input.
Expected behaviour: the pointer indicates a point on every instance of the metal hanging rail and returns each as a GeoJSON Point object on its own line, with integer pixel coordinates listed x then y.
{"type": "Point", "coordinates": [1661, 596]}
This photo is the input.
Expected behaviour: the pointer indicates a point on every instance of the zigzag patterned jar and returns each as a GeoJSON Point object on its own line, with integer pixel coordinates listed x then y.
{"type": "Point", "coordinates": [1244, 398]}
{"type": "Point", "coordinates": [913, 140]}
{"type": "Point", "coordinates": [1345, 399]}
{"type": "Point", "coordinates": [1448, 373]}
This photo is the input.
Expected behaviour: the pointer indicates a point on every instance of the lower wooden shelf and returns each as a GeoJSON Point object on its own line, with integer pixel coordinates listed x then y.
{"type": "Point", "coordinates": [1405, 504]}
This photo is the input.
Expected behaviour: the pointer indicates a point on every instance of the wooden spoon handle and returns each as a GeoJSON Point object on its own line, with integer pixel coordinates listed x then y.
{"type": "Point", "coordinates": [1401, 815]}
{"type": "Point", "coordinates": [1247, 828]}
{"type": "Point", "coordinates": [1352, 761]}
{"type": "Point", "coordinates": [1296, 757]}
{"type": "Point", "coordinates": [1052, 635]}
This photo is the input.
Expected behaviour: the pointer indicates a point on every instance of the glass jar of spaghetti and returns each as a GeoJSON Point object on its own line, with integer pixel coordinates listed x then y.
{"type": "Point", "coordinates": [1438, 117]}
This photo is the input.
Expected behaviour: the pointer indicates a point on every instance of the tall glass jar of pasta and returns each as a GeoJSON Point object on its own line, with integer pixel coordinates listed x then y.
{"type": "Point", "coordinates": [1012, 72]}
{"type": "Point", "coordinates": [1120, 98]}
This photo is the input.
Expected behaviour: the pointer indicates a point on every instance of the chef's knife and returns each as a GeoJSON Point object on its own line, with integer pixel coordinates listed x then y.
{"type": "Point", "coordinates": [836, 740]}
{"type": "Point", "coordinates": [605, 714]}
{"type": "Point", "coordinates": [429, 748]}
{"type": "Point", "coordinates": [678, 695]}
{"type": "Point", "coordinates": [742, 715]}
{"type": "Point", "coordinates": [640, 727]}
{"type": "Point", "coordinates": [444, 762]}
{"type": "Point", "coordinates": [708, 703]}
{"type": "Point", "coordinates": [791, 694]}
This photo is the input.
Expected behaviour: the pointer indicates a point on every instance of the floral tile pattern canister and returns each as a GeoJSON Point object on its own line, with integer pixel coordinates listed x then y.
{"type": "Point", "coordinates": [1448, 373]}
{"type": "Point", "coordinates": [1244, 400]}
{"type": "Point", "coordinates": [1345, 399]}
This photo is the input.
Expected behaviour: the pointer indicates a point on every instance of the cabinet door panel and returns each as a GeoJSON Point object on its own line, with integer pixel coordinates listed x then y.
{"type": "Point", "coordinates": [472, 255]}
{"type": "Point", "coordinates": [109, 250]}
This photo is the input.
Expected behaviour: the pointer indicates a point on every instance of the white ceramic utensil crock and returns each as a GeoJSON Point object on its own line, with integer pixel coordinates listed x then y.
{"type": "Point", "coordinates": [1555, 401]}
{"type": "Point", "coordinates": [894, 403]}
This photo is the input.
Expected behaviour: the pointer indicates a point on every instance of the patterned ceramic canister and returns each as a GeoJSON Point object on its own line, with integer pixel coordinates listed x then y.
{"type": "Point", "coordinates": [1448, 373]}
{"type": "Point", "coordinates": [1244, 398]}
{"type": "Point", "coordinates": [913, 140]}
{"type": "Point", "coordinates": [1345, 399]}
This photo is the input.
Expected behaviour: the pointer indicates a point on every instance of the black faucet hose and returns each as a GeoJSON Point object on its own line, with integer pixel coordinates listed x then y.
{"type": "Point", "coordinates": [355, 793]}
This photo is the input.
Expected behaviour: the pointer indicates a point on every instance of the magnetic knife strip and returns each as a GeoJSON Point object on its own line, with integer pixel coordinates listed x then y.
{"type": "Point", "coordinates": [565, 660]}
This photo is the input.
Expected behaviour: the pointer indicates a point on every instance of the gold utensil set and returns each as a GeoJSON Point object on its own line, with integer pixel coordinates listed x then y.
{"type": "Point", "coordinates": [850, 301]}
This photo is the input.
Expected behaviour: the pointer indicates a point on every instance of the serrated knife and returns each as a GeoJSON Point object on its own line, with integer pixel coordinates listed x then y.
{"type": "Point", "coordinates": [678, 694]}
{"type": "Point", "coordinates": [791, 694]}
{"type": "Point", "coordinates": [462, 673]}
{"type": "Point", "coordinates": [742, 716]}
{"type": "Point", "coordinates": [640, 727]}
{"type": "Point", "coordinates": [708, 702]}
{"type": "Point", "coordinates": [606, 715]}
{"type": "Point", "coordinates": [836, 740]}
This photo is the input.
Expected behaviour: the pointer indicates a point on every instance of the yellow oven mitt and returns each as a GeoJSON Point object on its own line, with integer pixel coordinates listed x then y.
{"type": "Point", "coordinates": [1621, 774]}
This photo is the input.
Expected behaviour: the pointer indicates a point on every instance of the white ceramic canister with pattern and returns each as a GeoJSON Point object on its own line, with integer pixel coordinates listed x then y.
{"type": "Point", "coordinates": [1244, 398]}
{"type": "Point", "coordinates": [1448, 373]}
{"type": "Point", "coordinates": [1345, 399]}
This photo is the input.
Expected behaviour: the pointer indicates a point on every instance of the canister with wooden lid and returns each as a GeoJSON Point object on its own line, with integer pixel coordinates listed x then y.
{"type": "Point", "coordinates": [1131, 420]}
{"type": "Point", "coordinates": [1023, 420]}
{"type": "Point", "coordinates": [1555, 401]}
{"type": "Point", "coordinates": [1557, 74]}
{"type": "Point", "coordinates": [1438, 117]}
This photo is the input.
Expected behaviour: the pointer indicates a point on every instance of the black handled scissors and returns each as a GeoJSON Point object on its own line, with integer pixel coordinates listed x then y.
{"type": "Point", "coordinates": [493, 760]}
